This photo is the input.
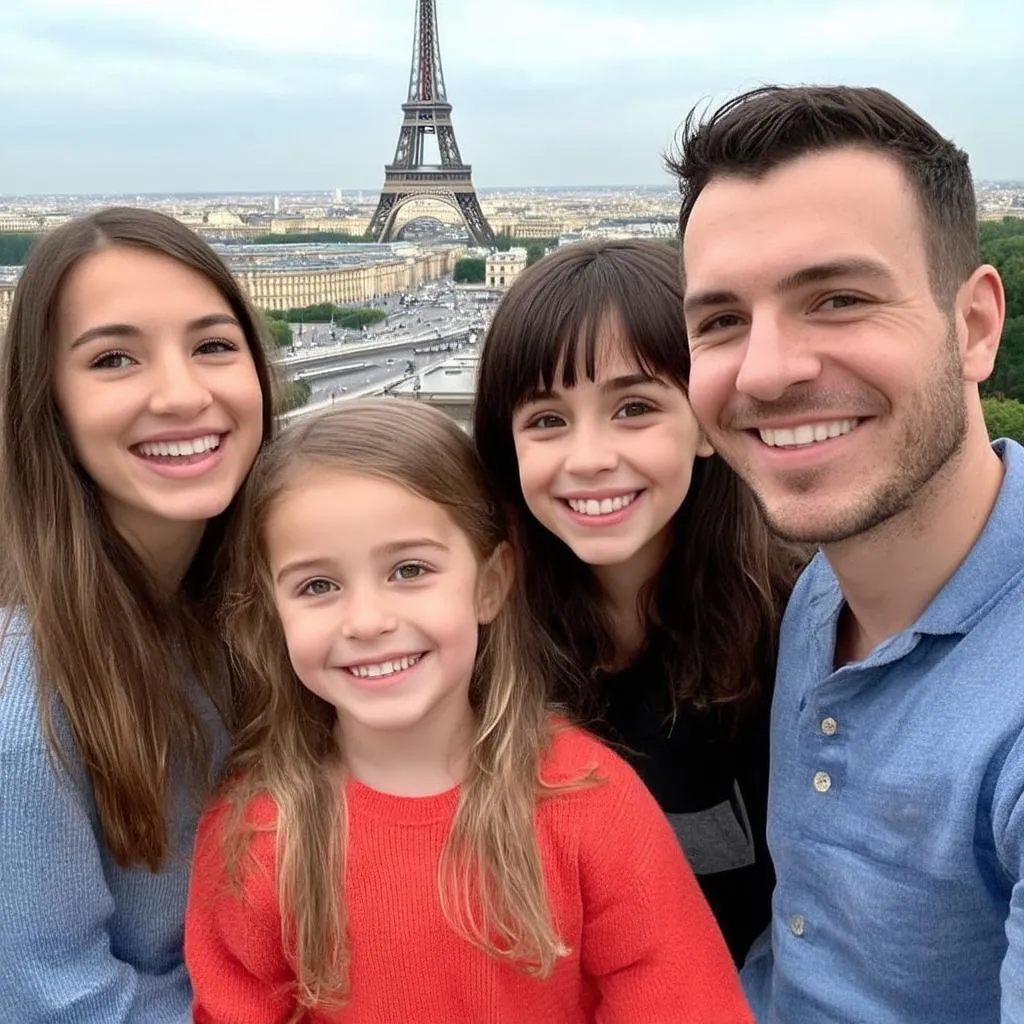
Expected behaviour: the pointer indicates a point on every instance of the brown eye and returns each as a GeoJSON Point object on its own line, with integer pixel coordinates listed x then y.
{"type": "Point", "coordinates": [112, 361]}
{"type": "Point", "coordinates": [633, 408]}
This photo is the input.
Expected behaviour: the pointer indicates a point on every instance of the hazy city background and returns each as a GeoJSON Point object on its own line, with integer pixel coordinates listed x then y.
{"type": "Point", "coordinates": [266, 127]}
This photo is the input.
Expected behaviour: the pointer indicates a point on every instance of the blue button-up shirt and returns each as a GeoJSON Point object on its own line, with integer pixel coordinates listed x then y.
{"type": "Point", "coordinates": [896, 814]}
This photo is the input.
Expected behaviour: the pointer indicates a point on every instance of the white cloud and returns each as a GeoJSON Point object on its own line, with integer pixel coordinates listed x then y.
{"type": "Point", "coordinates": [600, 83]}
{"type": "Point", "coordinates": [546, 38]}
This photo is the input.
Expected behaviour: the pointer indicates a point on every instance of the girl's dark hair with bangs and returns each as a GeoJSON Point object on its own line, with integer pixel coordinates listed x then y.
{"type": "Point", "coordinates": [713, 610]}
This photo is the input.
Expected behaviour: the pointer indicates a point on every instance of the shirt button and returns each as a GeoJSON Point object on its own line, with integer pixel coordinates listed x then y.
{"type": "Point", "coordinates": [829, 726]}
{"type": "Point", "coordinates": [797, 925]}
{"type": "Point", "coordinates": [822, 782]}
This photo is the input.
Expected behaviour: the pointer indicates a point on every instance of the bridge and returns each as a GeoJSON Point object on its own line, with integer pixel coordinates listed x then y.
{"type": "Point", "coordinates": [322, 355]}
{"type": "Point", "coordinates": [304, 364]}
{"type": "Point", "coordinates": [380, 388]}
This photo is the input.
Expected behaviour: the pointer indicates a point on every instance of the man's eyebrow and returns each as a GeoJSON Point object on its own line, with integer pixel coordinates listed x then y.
{"type": "Point", "coordinates": [697, 301]}
{"type": "Point", "coordinates": [819, 273]}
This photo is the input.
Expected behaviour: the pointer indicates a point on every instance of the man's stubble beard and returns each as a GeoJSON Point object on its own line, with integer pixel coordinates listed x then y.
{"type": "Point", "coordinates": [931, 436]}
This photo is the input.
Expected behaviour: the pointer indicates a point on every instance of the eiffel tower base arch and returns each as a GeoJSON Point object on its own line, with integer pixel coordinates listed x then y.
{"type": "Point", "coordinates": [464, 205]}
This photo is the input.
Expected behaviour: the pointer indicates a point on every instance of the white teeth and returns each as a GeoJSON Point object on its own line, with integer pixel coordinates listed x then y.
{"type": "Point", "coordinates": [602, 507]}
{"type": "Point", "coordinates": [196, 446]}
{"type": "Point", "coordinates": [806, 433]}
{"type": "Point", "coordinates": [385, 668]}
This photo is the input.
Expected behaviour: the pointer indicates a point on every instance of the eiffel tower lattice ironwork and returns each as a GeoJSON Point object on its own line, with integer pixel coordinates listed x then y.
{"type": "Point", "coordinates": [428, 112]}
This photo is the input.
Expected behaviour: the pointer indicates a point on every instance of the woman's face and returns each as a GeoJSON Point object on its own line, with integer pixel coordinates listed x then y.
{"type": "Point", "coordinates": [158, 391]}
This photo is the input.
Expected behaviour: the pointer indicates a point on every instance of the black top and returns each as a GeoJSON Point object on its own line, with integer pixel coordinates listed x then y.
{"type": "Point", "coordinates": [708, 769]}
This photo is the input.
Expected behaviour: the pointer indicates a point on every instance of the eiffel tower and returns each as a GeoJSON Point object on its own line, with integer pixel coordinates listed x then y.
{"type": "Point", "coordinates": [428, 112]}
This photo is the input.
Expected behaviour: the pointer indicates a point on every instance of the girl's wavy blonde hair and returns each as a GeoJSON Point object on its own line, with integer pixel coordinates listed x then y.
{"type": "Point", "coordinates": [491, 882]}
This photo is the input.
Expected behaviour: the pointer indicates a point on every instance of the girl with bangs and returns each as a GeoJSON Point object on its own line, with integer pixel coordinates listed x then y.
{"type": "Point", "coordinates": [135, 397]}
{"type": "Point", "coordinates": [641, 554]}
{"type": "Point", "coordinates": [406, 833]}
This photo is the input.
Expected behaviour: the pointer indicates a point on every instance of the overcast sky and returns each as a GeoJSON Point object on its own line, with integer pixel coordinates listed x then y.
{"type": "Point", "coordinates": [208, 95]}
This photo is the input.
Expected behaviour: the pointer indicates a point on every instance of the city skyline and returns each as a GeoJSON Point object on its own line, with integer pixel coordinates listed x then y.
{"type": "Point", "coordinates": [112, 97]}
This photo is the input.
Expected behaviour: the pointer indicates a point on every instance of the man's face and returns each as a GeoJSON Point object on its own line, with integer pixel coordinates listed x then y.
{"type": "Point", "coordinates": [823, 369]}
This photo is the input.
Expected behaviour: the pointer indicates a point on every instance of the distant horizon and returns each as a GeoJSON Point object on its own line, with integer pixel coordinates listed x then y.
{"type": "Point", "coordinates": [329, 192]}
{"type": "Point", "coordinates": [1008, 183]}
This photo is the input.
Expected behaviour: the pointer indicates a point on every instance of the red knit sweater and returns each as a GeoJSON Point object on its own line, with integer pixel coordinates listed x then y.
{"type": "Point", "coordinates": [644, 948]}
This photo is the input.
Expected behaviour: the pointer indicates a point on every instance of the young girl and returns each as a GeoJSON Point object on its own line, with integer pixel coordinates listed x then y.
{"type": "Point", "coordinates": [406, 834]}
{"type": "Point", "coordinates": [641, 554]}
{"type": "Point", "coordinates": [135, 396]}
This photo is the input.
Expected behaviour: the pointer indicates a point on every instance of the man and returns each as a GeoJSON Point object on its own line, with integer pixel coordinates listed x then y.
{"type": "Point", "coordinates": [839, 325]}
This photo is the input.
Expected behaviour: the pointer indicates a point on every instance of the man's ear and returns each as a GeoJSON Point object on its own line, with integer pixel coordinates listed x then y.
{"type": "Point", "coordinates": [981, 309]}
{"type": "Point", "coordinates": [494, 583]}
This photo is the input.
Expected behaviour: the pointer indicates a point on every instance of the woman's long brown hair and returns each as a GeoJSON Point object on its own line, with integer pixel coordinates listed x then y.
{"type": "Point", "coordinates": [104, 634]}
{"type": "Point", "coordinates": [491, 883]}
{"type": "Point", "coordinates": [712, 612]}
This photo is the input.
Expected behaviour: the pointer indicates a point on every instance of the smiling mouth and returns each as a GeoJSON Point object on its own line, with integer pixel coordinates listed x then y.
{"type": "Point", "coordinates": [601, 506]}
{"type": "Point", "coordinates": [806, 434]}
{"type": "Point", "coordinates": [382, 669]}
{"type": "Point", "coordinates": [184, 449]}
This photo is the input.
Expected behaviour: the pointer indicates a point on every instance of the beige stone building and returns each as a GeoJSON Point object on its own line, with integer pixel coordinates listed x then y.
{"type": "Point", "coordinates": [11, 222]}
{"type": "Point", "coordinates": [317, 225]}
{"type": "Point", "coordinates": [291, 289]}
{"type": "Point", "coordinates": [6, 298]}
{"type": "Point", "coordinates": [504, 267]}
{"type": "Point", "coordinates": [534, 227]}
{"type": "Point", "coordinates": [22, 223]}
{"type": "Point", "coordinates": [224, 224]}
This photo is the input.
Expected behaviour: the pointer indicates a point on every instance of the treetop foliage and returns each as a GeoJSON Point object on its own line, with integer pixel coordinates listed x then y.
{"type": "Point", "coordinates": [324, 312]}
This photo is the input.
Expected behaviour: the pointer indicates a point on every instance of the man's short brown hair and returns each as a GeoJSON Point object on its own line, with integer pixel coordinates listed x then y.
{"type": "Point", "coordinates": [754, 133]}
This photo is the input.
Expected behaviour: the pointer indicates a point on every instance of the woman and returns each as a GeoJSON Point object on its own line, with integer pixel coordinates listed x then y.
{"type": "Point", "coordinates": [641, 553]}
{"type": "Point", "coordinates": [135, 397]}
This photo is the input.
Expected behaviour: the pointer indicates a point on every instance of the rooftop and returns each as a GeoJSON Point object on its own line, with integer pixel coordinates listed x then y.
{"type": "Point", "coordinates": [454, 378]}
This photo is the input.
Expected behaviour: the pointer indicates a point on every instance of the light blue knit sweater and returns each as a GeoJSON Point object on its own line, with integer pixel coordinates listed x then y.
{"type": "Point", "coordinates": [82, 941]}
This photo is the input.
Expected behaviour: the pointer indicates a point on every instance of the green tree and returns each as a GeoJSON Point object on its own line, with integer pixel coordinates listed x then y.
{"type": "Point", "coordinates": [324, 312]}
{"type": "Point", "coordinates": [279, 330]}
{"type": "Point", "coordinates": [535, 251]}
{"type": "Point", "coordinates": [1002, 245]}
{"type": "Point", "coordinates": [357, 316]}
{"type": "Point", "coordinates": [470, 270]}
{"type": "Point", "coordinates": [1004, 417]}
{"type": "Point", "coordinates": [14, 248]}
{"type": "Point", "coordinates": [305, 237]}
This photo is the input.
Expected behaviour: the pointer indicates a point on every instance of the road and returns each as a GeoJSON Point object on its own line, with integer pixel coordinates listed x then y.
{"type": "Point", "coordinates": [437, 306]}
{"type": "Point", "coordinates": [356, 388]}
{"type": "Point", "coordinates": [432, 305]}
{"type": "Point", "coordinates": [367, 370]}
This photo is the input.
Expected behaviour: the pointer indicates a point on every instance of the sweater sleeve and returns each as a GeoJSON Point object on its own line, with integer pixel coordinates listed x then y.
{"type": "Point", "coordinates": [650, 942]}
{"type": "Point", "coordinates": [55, 905]}
{"type": "Point", "coordinates": [233, 946]}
